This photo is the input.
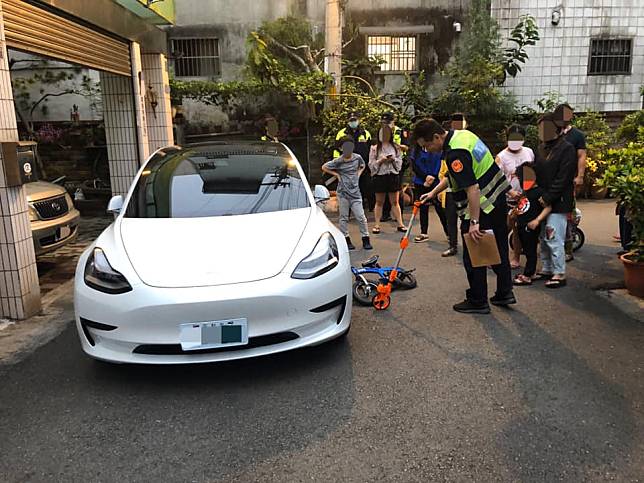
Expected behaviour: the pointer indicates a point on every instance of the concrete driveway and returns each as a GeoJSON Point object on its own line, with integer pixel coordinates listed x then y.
{"type": "Point", "coordinates": [550, 390]}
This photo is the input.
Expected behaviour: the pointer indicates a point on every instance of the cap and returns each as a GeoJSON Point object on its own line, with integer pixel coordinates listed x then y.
{"type": "Point", "coordinates": [354, 115]}
{"type": "Point", "coordinates": [387, 116]}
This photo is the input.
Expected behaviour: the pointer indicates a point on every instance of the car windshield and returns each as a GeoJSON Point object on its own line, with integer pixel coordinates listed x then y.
{"type": "Point", "coordinates": [218, 181]}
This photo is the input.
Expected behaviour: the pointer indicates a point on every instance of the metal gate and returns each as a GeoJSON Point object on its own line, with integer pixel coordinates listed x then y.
{"type": "Point", "coordinates": [33, 29]}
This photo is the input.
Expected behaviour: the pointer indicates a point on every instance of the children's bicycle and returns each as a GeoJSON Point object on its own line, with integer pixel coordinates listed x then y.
{"type": "Point", "coordinates": [365, 289]}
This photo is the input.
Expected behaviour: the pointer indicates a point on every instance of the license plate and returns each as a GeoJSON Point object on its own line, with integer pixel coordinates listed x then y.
{"type": "Point", "coordinates": [215, 334]}
{"type": "Point", "coordinates": [65, 231]}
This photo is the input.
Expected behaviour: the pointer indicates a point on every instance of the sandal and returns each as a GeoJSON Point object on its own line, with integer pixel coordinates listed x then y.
{"type": "Point", "coordinates": [514, 264]}
{"type": "Point", "coordinates": [556, 283]}
{"type": "Point", "coordinates": [402, 229]}
{"type": "Point", "coordinates": [375, 230]}
{"type": "Point", "coordinates": [542, 276]}
{"type": "Point", "coordinates": [521, 280]}
{"type": "Point", "coordinates": [421, 238]}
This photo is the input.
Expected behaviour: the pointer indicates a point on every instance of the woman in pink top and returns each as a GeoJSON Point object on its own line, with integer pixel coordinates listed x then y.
{"type": "Point", "coordinates": [509, 160]}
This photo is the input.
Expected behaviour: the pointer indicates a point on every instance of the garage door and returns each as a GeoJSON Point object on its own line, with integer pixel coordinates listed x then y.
{"type": "Point", "coordinates": [33, 29]}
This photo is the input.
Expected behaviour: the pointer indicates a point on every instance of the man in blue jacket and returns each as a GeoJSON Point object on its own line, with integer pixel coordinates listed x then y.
{"type": "Point", "coordinates": [426, 167]}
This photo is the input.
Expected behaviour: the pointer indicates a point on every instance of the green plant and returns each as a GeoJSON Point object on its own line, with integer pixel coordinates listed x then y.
{"type": "Point", "coordinates": [362, 67]}
{"type": "Point", "coordinates": [624, 177]}
{"type": "Point", "coordinates": [353, 99]}
{"type": "Point", "coordinates": [413, 94]}
{"type": "Point", "coordinates": [628, 130]}
{"type": "Point", "coordinates": [474, 76]}
{"type": "Point", "coordinates": [525, 33]}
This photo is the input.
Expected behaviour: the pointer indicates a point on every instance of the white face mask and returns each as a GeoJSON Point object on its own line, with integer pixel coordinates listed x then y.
{"type": "Point", "coordinates": [515, 145]}
{"type": "Point", "coordinates": [353, 124]}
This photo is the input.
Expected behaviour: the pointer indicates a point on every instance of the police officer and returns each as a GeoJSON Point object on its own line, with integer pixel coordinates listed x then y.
{"type": "Point", "coordinates": [362, 141]}
{"type": "Point", "coordinates": [479, 189]}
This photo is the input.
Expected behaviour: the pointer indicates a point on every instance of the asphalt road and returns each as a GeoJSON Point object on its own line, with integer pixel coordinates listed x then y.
{"type": "Point", "coordinates": [551, 390]}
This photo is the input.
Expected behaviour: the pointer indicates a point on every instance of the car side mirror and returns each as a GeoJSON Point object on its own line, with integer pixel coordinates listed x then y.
{"type": "Point", "coordinates": [321, 194]}
{"type": "Point", "coordinates": [115, 205]}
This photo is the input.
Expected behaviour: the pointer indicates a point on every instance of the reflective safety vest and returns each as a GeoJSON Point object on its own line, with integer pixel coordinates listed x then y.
{"type": "Point", "coordinates": [492, 182]}
{"type": "Point", "coordinates": [365, 136]}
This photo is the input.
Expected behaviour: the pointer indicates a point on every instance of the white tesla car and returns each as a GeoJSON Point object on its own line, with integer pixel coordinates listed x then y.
{"type": "Point", "coordinates": [218, 252]}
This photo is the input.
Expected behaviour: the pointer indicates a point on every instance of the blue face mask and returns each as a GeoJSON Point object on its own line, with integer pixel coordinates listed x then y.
{"type": "Point", "coordinates": [353, 124]}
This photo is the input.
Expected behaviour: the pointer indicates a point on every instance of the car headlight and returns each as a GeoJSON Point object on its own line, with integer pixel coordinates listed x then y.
{"type": "Point", "coordinates": [33, 214]}
{"type": "Point", "coordinates": [100, 275]}
{"type": "Point", "coordinates": [323, 258]}
{"type": "Point", "coordinates": [70, 201]}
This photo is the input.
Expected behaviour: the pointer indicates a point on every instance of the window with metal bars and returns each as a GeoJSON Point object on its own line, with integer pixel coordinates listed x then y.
{"type": "Point", "coordinates": [195, 57]}
{"type": "Point", "coordinates": [399, 53]}
{"type": "Point", "coordinates": [610, 56]}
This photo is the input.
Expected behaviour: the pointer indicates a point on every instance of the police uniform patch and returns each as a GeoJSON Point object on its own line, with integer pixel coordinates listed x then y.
{"type": "Point", "coordinates": [457, 166]}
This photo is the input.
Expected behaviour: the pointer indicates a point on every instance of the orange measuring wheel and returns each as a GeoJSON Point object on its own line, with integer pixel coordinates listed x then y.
{"type": "Point", "coordinates": [381, 302]}
{"type": "Point", "coordinates": [382, 299]}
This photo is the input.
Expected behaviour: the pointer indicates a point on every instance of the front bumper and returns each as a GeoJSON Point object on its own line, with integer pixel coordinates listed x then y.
{"type": "Point", "coordinates": [282, 313]}
{"type": "Point", "coordinates": [47, 234]}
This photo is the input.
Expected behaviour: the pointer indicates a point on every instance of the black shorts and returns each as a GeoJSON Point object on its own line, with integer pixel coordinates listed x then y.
{"type": "Point", "coordinates": [386, 183]}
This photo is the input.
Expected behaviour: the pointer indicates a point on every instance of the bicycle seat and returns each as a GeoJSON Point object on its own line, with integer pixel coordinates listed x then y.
{"type": "Point", "coordinates": [371, 261]}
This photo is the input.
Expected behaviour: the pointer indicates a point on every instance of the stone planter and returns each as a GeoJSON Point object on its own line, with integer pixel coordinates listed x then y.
{"type": "Point", "coordinates": [633, 276]}
{"type": "Point", "coordinates": [598, 192]}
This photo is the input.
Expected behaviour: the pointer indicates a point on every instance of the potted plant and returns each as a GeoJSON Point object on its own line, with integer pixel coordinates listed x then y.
{"type": "Point", "coordinates": [624, 177]}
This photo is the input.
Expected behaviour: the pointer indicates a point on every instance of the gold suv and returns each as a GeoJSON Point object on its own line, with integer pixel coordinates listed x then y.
{"type": "Point", "coordinates": [54, 219]}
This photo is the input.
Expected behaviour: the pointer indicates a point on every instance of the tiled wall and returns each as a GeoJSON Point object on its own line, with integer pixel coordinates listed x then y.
{"type": "Point", "coordinates": [159, 120]}
{"type": "Point", "coordinates": [19, 289]}
{"type": "Point", "coordinates": [559, 62]}
{"type": "Point", "coordinates": [120, 130]}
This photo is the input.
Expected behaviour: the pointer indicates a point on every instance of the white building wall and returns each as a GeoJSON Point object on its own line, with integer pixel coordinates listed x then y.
{"type": "Point", "coordinates": [559, 61]}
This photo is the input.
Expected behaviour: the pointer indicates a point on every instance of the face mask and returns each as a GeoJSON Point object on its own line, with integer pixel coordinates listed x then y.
{"type": "Point", "coordinates": [353, 124]}
{"type": "Point", "coordinates": [515, 145]}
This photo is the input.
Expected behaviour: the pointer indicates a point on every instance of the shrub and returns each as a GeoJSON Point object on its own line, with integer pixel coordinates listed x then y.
{"type": "Point", "coordinates": [624, 177]}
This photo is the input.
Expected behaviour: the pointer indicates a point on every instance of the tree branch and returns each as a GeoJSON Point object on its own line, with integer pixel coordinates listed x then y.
{"type": "Point", "coordinates": [285, 50]}
{"type": "Point", "coordinates": [37, 103]}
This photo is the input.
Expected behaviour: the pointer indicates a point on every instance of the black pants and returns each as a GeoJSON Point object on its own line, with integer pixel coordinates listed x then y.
{"type": "Point", "coordinates": [477, 277]}
{"type": "Point", "coordinates": [419, 190]}
{"type": "Point", "coordinates": [368, 196]}
{"type": "Point", "coordinates": [451, 218]}
{"type": "Point", "coordinates": [625, 229]}
{"type": "Point", "coordinates": [530, 244]}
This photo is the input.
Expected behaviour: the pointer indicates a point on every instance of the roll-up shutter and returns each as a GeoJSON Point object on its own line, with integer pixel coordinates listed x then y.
{"type": "Point", "coordinates": [33, 29]}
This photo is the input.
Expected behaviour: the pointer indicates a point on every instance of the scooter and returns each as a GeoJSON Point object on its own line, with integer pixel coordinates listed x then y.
{"type": "Point", "coordinates": [382, 299]}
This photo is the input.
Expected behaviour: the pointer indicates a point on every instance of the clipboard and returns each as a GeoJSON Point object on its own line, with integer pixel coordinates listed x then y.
{"type": "Point", "coordinates": [484, 253]}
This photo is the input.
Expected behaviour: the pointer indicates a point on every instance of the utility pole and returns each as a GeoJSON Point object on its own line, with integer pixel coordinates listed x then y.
{"type": "Point", "coordinates": [333, 45]}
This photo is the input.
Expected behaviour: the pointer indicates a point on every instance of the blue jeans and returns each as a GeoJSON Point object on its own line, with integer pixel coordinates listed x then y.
{"type": "Point", "coordinates": [553, 241]}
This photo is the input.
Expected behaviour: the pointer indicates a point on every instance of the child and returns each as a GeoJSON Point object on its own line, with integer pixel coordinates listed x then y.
{"type": "Point", "coordinates": [348, 168]}
{"type": "Point", "coordinates": [530, 214]}
{"type": "Point", "coordinates": [509, 161]}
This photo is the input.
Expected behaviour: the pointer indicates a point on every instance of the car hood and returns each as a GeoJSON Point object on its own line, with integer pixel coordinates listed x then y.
{"type": "Point", "coordinates": [200, 252]}
{"type": "Point", "coordinates": [41, 190]}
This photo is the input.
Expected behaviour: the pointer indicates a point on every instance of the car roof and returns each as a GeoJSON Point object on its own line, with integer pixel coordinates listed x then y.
{"type": "Point", "coordinates": [231, 148]}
